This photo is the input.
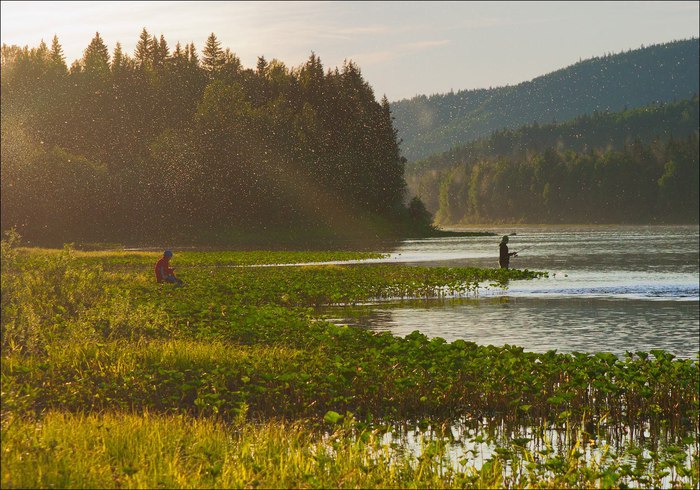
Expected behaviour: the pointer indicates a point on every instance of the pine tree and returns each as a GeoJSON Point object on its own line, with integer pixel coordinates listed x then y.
{"type": "Point", "coordinates": [212, 56]}
{"type": "Point", "coordinates": [57, 56]}
{"type": "Point", "coordinates": [75, 67]}
{"type": "Point", "coordinates": [312, 80]}
{"type": "Point", "coordinates": [117, 58]}
{"type": "Point", "coordinates": [96, 58]}
{"type": "Point", "coordinates": [261, 66]}
{"type": "Point", "coordinates": [41, 53]}
{"type": "Point", "coordinates": [163, 47]}
{"type": "Point", "coordinates": [192, 56]}
{"type": "Point", "coordinates": [179, 56]}
{"type": "Point", "coordinates": [160, 50]}
{"type": "Point", "coordinates": [143, 54]}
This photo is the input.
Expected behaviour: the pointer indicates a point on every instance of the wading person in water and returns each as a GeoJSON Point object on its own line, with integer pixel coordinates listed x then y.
{"type": "Point", "coordinates": [505, 255]}
{"type": "Point", "coordinates": [164, 273]}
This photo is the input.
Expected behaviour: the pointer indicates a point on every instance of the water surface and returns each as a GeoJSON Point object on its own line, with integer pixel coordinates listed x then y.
{"type": "Point", "coordinates": [610, 289]}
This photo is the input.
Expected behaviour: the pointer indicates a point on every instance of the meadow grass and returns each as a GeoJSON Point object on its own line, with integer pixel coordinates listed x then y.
{"type": "Point", "coordinates": [237, 363]}
{"type": "Point", "coordinates": [145, 450]}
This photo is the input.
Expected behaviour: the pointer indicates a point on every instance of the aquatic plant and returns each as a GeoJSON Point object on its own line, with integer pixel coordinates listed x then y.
{"type": "Point", "coordinates": [92, 333]}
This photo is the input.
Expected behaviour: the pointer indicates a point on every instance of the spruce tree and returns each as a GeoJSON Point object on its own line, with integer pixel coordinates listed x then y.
{"type": "Point", "coordinates": [192, 56]}
{"type": "Point", "coordinates": [160, 50]}
{"type": "Point", "coordinates": [261, 66]}
{"type": "Point", "coordinates": [96, 58]}
{"type": "Point", "coordinates": [179, 54]}
{"type": "Point", "coordinates": [118, 61]}
{"type": "Point", "coordinates": [42, 52]}
{"type": "Point", "coordinates": [143, 54]}
{"type": "Point", "coordinates": [57, 56]}
{"type": "Point", "coordinates": [212, 56]}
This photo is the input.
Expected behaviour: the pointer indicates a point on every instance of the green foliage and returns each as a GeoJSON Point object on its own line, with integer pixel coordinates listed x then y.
{"type": "Point", "coordinates": [638, 183]}
{"type": "Point", "coordinates": [419, 218]}
{"type": "Point", "coordinates": [41, 299]}
{"type": "Point", "coordinates": [370, 374]}
{"type": "Point", "coordinates": [238, 354]}
{"type": "Point", "coordinates": [171, 148]}
{"type": "Point", "coordinates": [95, 62]}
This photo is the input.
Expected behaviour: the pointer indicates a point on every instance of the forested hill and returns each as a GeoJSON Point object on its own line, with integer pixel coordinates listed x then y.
{"type": "Point", "coordinates": [599, 131]}
{"type": "Point", "coordinates": [659, 73]}
{"type": "Point", "coordinates": [636, 166]}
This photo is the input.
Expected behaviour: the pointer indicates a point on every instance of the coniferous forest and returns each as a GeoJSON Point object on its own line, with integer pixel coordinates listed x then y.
{"type": "Point", "coordinates": [176, 144]}
{"type": "Point", "coordinates": [636, 166]}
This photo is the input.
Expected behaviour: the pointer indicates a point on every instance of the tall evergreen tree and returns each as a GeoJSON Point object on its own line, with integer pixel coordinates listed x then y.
{"type": "Point", "coordinates": [96, 58]}
{"type": "Point", "coordinates": [178, 52]}
{"type": "Point", "coordinates": [212, 56]}
{"type": "Point", "coordinates": [312, 79]}
{"type": "Point", "coordinates": [57, 56]}
{"type": "Point", "coordinates": [118, 59]}
{"type": "Point", "coordinates": [160, 50]}
{"type": "Point", "coordinates": [192, 56]}
{"type": "Point", "coordinates": [143, 54]}
{"type": "Point", "coordinates": [261, 66]}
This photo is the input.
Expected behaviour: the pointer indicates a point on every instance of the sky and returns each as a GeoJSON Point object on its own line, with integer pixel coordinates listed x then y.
{"type": "Point", "coordinates": [403, 49]}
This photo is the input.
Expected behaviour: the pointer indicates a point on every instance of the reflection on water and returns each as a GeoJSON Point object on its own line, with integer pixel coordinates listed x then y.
{"type": "Point", "coordinates": [539, 325]}
{"type": "Point", "coordinates": [471, 443]}
{"type": "Point", "coordinates": [641, 262]}
{"type": "Point", "coordinates": [612, 289]}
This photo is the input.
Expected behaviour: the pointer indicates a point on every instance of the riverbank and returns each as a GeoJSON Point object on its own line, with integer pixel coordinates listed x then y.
{"type": "Point", "coordinates": [97, 356]}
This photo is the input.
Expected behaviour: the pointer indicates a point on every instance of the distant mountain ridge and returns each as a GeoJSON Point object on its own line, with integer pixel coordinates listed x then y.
{"type": "Point", "coordinates": [612, 83]}
{"type": "Point", "coordinates": [600, 131]}
{"type": "Point", "coordinates": [635, 166]}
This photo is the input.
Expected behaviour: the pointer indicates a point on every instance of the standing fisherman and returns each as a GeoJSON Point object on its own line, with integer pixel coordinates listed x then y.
{"type": "Point", "coordinates": [504, 255]}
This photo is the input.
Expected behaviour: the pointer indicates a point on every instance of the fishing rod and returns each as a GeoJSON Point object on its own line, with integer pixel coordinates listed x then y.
{"type": "Point", "coordinates": [524, 248]}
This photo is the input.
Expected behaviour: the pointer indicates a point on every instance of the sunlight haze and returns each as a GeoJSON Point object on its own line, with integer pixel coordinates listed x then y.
{"type": "Point", "coordinates": [403, 48]}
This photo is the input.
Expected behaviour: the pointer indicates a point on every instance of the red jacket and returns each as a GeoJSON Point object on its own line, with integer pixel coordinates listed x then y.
{"type": "Point", "coordinates": [163, 269]}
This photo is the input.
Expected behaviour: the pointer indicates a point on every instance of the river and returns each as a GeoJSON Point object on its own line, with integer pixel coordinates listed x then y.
{"type": "Point", "coordinates": [610, 289]}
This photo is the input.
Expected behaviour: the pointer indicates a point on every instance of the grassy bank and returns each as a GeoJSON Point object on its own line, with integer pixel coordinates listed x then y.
{"type": "Point", "coordinates": [231, 381]}
{"type": "Point", "coordinates": [126, 450]}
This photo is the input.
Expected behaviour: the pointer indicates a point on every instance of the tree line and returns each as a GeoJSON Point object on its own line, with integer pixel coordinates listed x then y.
{"type": "Point", "coordinates": [640, 182]}
{"type": "Point", "coordinates": [610, 130]}
{"type": "Point", "coordinates": [170, 143]}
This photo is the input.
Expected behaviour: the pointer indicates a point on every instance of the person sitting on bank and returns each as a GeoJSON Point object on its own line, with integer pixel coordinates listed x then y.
{"type": "Point", "coordinates": [505, 255]}
{"type": "Point", "coordinates": [165, 273]}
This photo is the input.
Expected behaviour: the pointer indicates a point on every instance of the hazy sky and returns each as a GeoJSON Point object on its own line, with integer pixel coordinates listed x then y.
{"type": "Point", "coordinates": [402, 48]}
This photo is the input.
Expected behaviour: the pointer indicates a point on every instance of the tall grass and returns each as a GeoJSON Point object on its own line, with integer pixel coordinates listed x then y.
{"type": "Point", "coordinates": [146, 451]}
{"type": "Point", "coordinates": [129, 450]}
